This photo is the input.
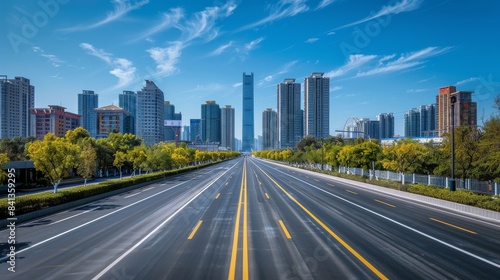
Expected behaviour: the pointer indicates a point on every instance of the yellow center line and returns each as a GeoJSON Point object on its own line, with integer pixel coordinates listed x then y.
{"type": "Point", "coordinates": [453, 226]}
{"type": "Point", "coordinates": [217, 196]}
{"type": "Point", "coordinates": [388, 204]}
{"type": "Point", "coordinates": [267, 196]}
{"type": "Point", "coordinates": [245, 230]}
{"type": "Point", "coordinates": [283, 227]}
{"type": "Point", "coordinates": [333, 234]}
{"type": "Point", "coordinates": [351, 191]}
{"type": "Point", "coordinates": [195, 229]}
{"type": "Point", "coordinates": [234, 252]}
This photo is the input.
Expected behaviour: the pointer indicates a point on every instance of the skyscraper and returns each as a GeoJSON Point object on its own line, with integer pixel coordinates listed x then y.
{"type": "Point", "coordinates": [169, 114]}
{"type": "Point", "coordinates": [17, 98]}
{"type": "Point", "coordinates": [210, 122]}
{"type": "Point", "coordinates": [87, 102]}
{"type": "Point", "coordinates": [317, 105]}
{"type": "Point", "coordinates": [248, 113]}
{"type": "Point", "coordinates": [443, 105]}
{"type": "Point", "coordinates": [290, 115]}
{"type": "Point", "coordinates": [465, 109]}
{"type": "Point", "coordinates": [150, 122]}
{"type": "Point", "coordinates": [428, 120]}
{"type": "Point", "coordinates": [128, 101]}
{"type": "Point", "coordinates": [386, 125]}
{"type": "Point", "coordinates": [368, 129]}
{"type": "Point", "coordinates": [195, 130]}
{"type": "Point", "coordinates": [269, 130]}
{"type": "Point", "coordinates": [412, 123]}
{"type": "Point", "coordinates": [227, 128]}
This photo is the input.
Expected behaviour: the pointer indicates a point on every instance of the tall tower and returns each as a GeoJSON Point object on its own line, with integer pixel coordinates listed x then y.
{"type": "Point", "coordinates": [150, 122]}
{"type": "Point", "coordinates": [443, 109]}
{"type": "Point", "coordinates": [210, 122]}
{"type": "Point", "coordinates": [195, 130]}
{"type": "Point", "coordinates": [87, 102]}
{"type": "Point", "coordinates": [289, 114]}
{"type": "Point", "coordinates": [412, 123]}
{"type": "Point", "coordinates": [248, 113]}
{"type": "Point", "coordinates": [386, 125]}
{"type": "Point", "coordinates": [227, 128]}
{"type": "Point", "coordinates": [128, 101]}
{"type": "Point", "coordinates": [317, 105]}
{"type": "Point", "coordinates": [169, 114]}
{"type": "Point", "coordinates": [17, 98]}
{"type": "Point", "coordinates": [269, 130]}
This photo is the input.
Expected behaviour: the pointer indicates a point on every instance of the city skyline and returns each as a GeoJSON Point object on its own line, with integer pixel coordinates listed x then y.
{"type": "Point", "coordinates": [381, 57]}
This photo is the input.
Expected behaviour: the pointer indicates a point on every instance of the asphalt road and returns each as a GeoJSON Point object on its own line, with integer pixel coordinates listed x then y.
{"type": "Point", "coordinates": [250, 219]}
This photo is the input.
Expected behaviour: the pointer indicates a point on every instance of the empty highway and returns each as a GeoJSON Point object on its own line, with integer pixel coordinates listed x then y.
{"type": "Point", "coordinates": [251, 219]}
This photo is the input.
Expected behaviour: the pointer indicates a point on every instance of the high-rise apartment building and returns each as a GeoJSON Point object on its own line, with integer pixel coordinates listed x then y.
{"type": "Point", "coordinates": [128, 101]}
{"type": "Point", "coordinates": [53, 119]}
{"type": "Point", "coordinates": [185, 135]}
{"type": "Point", "coordinates": [112, 118]}
{"type": "Point", "coordinates": [386, 125]}
{"type": "Point", "coordinates": [248, 113]}
{"type": "Point", "coordinates": [290, 116]}
{"type": "Point", "coordinates": [269, 129]}
{"type": "Point", "coordinates": [170, 114]}
{"type": "Point", "coordinates": [195, 130]}
{"type": "Point", "coordinates": [428, 120]}
{"type": "Point", "coordinates": [368, 129]}
{"type": "Point", "coordinates": [17, 98]}
{"type": "Point", "coordinates": [210, 122]}
{"type": "Point", "coordinates": [317, 105]}
{"type": "Point", "coordinates": [88, 100]}
{"type": "Point", "coordinates": [412, 123]}
{"type": "Point", "coordinates": [150, 122]}
{"type": "Point", "coordinates": [227, 128]}
{"type": "Point", "coordinates": [443, 109]}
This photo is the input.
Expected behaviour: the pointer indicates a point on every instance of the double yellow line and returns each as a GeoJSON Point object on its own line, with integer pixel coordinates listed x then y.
{"type": "Point", "coordinates": [234, 253]}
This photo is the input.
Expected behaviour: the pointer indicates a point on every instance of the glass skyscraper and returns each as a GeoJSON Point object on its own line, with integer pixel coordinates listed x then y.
{"type": "Point", "coordinates": [290, 116]}
{"type": "Point", "coordinates": [248, 113]}
{"type": "Point", "coordinates": [128, 101]}
{"type": "Point", "coordinates": [317, 106]}
{"type": "Point", "coordinates": [87, 102]}
{"type": "Point", "coordinates": [210, 122]}
{"type": "Point", "coordinates": [227, 128]}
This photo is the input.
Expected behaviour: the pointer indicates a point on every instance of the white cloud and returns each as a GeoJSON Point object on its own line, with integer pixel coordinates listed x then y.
{"type": "Point", "coordinates": [121, 8]}
{"type": "Point", "coordinates": [331, 33]}
{"type": "Point", "coordinates": [335, 88]}
{"type": "Point", "coordinates": [311, 40]}
{"type": "Point", "coordinates": [221, 49]}
{"type": "Point", "coordinates": [237, 85]}
{"type": "Point", "coordinates": [284, 8]}
{"type": "Point", "coordinates": [400, 7]}
{"type": "Point", "coordinates": [268, 78]}
{"type": "Point", "coordinates": [56, 61]}
{"type": "Point", "coordinates": [96, 52]}
{"type": "Point", "coordinates": [253, 44]}
{"type": "Point", "coordinates": [324, 3]}
{"type": "Point", "coordinates": [166, 58]}
{"type": "Point", "coordinates": [354, 62]}
{"type": "Point", "coordinates": [472, 79]}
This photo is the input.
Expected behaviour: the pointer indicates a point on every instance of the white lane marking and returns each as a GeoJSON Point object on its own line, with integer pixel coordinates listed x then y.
{"type": "Point", "coordinates": [74, 216]}
{"type": "Point", "coordinates": [94, 220]}
{"type": "Point", "coordinates": [148, 189]}
{"type": "Point", "coordinates": [398, 223]}
{"type": "Point", "coordinates": [156, 229]}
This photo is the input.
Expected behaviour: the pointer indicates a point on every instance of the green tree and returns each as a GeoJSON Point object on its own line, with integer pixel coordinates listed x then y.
{"type": "Point", "coordinates": [76, 135]}
{"type": "Point", "coordinates": [138, 157]}
{"type": "Point", "coordinates": [15, 147]}
{"type": "Point", "coordinates": [87, 162]}
{"type": "Point", "coordinates": [405, 155]}
{"type": "Point", "coordinates": [4, 159]}
{"type": "Point", "coordinates": [489, 166]}
{"type": "Point", "coordinates": [119, 161]}
{"type": "Point", "coordinates": [105, 155]}
{"type": "Point", "coordinates": [367, 154]}
{"type": "Point", "coordinates": [53, 156]}
{"type": "Point", "coordinates": [346, 156]}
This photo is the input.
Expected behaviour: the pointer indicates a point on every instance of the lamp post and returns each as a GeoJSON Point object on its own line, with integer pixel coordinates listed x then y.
{"type": "Point", "coordinates": [453, 100]}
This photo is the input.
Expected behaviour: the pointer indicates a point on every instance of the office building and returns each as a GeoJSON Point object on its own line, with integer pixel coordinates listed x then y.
{"type": "Point", "coordinates": [248, 113]}
{"type": "Point", "coordinates": [227, 128]}
{"type": "Point", "coordinates": [172, 131]}
{"type": "Point", "coordinates": [150, 121]}
{"type": "Point", "coordinates": [112, 118]}
{"type": "Point", "coordinates": [210, 123]}
{"type": "Point", "coordinates": [465, 109]}
{"type": "Point", "coordinates": [317, 105]}
{"type": "Point", "coordinates": [185, 135]}
{"type": "Point", "coordinates": [195, 130]}
{"type": "Point", "coordinates": [269, 129]}
{"type": "Point", "coordinates": [412, 123]}
{"type": "Point", "coordinates": [87, 102]}
{"type": "Point", "coordinates": [428, 120]}
{"type": "Point", "coordinates": [53, 119]}
{"type": "Point", "coordinates": [17, 98]}
{"type": "Point", "coordinates": [128, 101]}
{"type": "Point", "coordinates": [386, 121]}
{"type": "Point", "coordinates": [290, 116]}
{"type": "Point", "coordinates": [368, 129]}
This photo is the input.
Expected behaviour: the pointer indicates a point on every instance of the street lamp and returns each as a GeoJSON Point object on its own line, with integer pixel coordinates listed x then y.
{"type": "Point", "coordinates": [453, 100]}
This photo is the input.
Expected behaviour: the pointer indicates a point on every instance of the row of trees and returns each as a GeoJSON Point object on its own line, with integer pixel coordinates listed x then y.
{"type": "Point", "coordinates": [477, 153]}
{"type": "Point", "coordinates": [77, 151]}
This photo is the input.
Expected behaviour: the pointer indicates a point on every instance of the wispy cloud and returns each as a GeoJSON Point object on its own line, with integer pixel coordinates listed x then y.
{"type": "Point", "coordinates": [282, 9]}
{"type": "Point", "coordinates": [426, 80]}
{"type": "Point", "coordinates": [399, 7]}
{"type": "Point", "coordinates": [56, 61]}
{"type": "Point", "coordinates": [284, 69]}
{"type": "Point", "coordinates": [121, 8]}
{"type": "Point", "coordinates": [248, 47]}
{"type": "Point", "coordinates": [221, 49]}
{"type": "Point", "coordinates": [123, 68]}
{"type": "Point", "coordinates": [325, 3]}
{"type": "Point", "coordinates": [418, 90]}
{"type": "Point", "coordinates": [311, 40]}
{"type": "Point", "coordinates": [335, 88]}
{"type": "Point", "coordinates": [166, 58]}
{"type": "Point", "coordinates": [472, 79]}
{"type": "Point", "coordinates": [354, 62]}
{"type": "Point", "coordinates": [237, 84]}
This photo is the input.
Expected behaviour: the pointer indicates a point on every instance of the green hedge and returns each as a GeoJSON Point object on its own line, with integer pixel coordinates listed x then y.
{"type": "Point", "coordinates": [33, 202]}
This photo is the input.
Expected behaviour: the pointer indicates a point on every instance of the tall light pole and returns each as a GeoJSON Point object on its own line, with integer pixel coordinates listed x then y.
{"type": "Point", "coordinates": [453, 100]}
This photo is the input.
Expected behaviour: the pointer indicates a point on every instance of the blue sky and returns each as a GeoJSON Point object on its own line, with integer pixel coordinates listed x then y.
{"type": "Point", "coordinates": [382, 56]}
